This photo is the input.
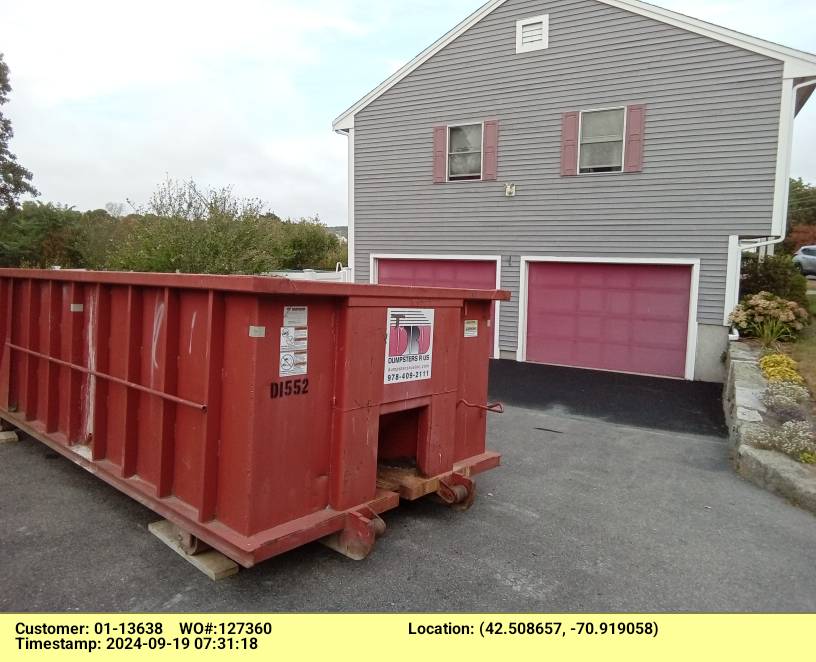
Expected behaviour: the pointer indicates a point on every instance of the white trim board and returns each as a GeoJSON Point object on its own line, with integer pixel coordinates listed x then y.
{"type": "Point", "coordinates": [797, 63]}
{"type": "Point", "coordinates": [373, 275]}
{"type": "Point", "coordinates": [691, 334]}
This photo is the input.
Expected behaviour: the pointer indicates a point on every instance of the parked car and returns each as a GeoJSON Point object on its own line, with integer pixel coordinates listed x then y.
{"type": "Point", "coordinates": [805, 260]}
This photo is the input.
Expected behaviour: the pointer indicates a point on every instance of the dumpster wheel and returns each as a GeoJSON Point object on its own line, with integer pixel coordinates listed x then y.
{"type": "Point", "coordinates": [458, 491]}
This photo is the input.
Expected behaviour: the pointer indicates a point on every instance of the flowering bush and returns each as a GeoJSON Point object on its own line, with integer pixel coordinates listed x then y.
{"type": "Point", "coordinates": [784, 400]}
{"type": "Point", "coordinates": [765, 315]}
{"type": "Point", "coordinates": [779, 367]}
{"type": "Point", "coordinates": [776, 360]}
{"type": "Point", "coordinates": [794, 438]}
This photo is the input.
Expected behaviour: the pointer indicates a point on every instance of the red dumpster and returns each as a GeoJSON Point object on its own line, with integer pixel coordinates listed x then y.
{"type": "Point", "coordinates": [255, 413]}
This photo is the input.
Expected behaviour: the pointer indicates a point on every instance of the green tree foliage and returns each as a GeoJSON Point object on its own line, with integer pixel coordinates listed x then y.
{"type": "Point", "coordinates": [775, 274]}
{"type": "Point", "coordinates": [182, 228]}
{"type": "Point", "coordinates": [15, 180]}
{"type": "Point", "coordinates": [801, 215]}
{"type": "Point", "coordinates": [801, 203]}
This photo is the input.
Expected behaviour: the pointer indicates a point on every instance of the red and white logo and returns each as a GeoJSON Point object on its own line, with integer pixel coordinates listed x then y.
{"type": "Point", "coordinates": [409, 344]}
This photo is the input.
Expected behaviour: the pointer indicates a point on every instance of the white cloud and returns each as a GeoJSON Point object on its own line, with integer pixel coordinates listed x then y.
{"type": "Point", "coordinates": [108, 98]}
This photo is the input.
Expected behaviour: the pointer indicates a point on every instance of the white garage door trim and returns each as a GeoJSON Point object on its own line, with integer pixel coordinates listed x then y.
{"type": "Point", "coordinates": [372, 275]}
{"type": "Point", "coordinates": [694, 263]}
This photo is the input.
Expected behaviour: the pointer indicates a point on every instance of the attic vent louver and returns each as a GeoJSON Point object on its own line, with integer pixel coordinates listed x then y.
{"type": "Point", "coordinates": [532, 34]}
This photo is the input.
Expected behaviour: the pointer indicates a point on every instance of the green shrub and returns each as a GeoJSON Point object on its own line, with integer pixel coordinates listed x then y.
{"type": "Point", "coordinates": [776, 274]}
{"type": "Point", "coordinates": [182, 228]}
{"type": "Point", "coordinates": [769, 317]}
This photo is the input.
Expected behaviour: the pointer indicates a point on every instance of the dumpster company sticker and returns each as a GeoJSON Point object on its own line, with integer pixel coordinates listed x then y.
{"type": "Point", "coordinates": [408, 345]}
{"type": "Point", "coordinates": [294, 341]}
{"type": "Point", "coordinates": [471, 328]}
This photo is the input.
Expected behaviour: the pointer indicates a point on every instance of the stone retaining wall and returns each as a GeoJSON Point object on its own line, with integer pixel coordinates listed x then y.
{"type": "Point", "coordinates": [742, 400]}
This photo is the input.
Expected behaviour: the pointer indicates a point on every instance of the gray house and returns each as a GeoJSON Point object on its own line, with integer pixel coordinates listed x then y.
{"type": "Point", "coordinates": [607, 161]}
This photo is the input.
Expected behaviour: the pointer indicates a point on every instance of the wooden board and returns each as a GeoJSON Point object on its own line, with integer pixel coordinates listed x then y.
{"type": "Point", "coordinates": [8, 436]}
{"type": "Point", "coordinates": [212, 563]}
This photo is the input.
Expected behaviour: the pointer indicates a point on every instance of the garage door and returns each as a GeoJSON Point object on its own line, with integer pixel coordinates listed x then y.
{"type": "Point", "coordinates": [471, 274]}
{"type": "Point", "coordinates": [621, 317]}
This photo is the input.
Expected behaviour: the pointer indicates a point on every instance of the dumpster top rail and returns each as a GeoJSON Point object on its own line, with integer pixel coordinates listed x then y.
{"type": "Point", "coordinates": [251, 284]}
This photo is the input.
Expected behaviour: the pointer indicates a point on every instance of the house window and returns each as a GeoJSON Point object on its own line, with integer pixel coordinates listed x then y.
{"type": "Point", "coordinates": [600, 146]}
{"type": "Point", "coordinates": [465, 152]}
{"type": "Point", "coordinates": [532, 34]}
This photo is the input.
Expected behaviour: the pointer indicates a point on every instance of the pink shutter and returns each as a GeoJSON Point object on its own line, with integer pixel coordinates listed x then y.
{"type": "Point", "coordinates": [569, 144]}
{"type": "Point", "coordinates": [633, 145]}
{"type": "Point", "coordinates": [440, 148]}
{"type": "Point", "coordinates": [490, 150]}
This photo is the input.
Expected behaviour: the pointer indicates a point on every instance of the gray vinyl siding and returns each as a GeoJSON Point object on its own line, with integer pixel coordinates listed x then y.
{"type": "Point", "coordinates": [709, 160]}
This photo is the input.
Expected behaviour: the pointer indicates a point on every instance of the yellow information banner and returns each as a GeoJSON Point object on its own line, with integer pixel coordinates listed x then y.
{"type": "Point", "coordinates": [394, 638]}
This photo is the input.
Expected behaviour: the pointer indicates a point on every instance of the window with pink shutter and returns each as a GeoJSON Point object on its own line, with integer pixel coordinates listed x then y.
{"type": "Point", "coordinates": [603, 140]}
{"type": "Point", "coordinates": [633, 150]}
{"type": "Point", "coordinates": [440, 153]}
{"type": "Point", "coordinates": [464, 152]}
{"type": "Point", "coordinates": [490, 150]}
{"type": "Point", "coordinates": [569, 143]}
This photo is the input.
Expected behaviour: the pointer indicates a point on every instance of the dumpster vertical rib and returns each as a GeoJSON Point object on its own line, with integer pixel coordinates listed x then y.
{"type": "Point", "coordinates": [212, 418]}
{"type": "Point", "coordinates": [76, 322]}
{"type": "Point", "coordinates": [169, 375]}
{"type": "Point", "coordinates": [6, 371]}
{"type": "Point", "coordinates": [133, 343]}
{"type": "Point", "coordinates": [98, 360]}
{"type": "Point", "coordinates": [52, 369]}
{"type": "Point", "coordinates": [31, 341]}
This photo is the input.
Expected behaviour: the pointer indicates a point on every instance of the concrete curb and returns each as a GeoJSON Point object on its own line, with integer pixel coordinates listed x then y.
{"type": "Point", "coordinates": [744, 411]}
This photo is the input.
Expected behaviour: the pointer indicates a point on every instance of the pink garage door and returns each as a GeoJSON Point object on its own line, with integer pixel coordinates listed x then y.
{"type": "Point", "coordinates": [622, 317]}
{"type": "Point", "coordinates": [472, 274]}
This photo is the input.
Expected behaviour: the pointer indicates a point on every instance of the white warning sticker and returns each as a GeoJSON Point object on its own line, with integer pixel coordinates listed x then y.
{"type": "Point", "coordinates": [471, 328]}
{"type": "Point", "coordinates": [293, 363]}
{"type": "Point", "coordinates": [294, 341]}
{"type": "Point", "coordinates": [295, 315]}
{"type": "Point", "coordinates": [408, 345]}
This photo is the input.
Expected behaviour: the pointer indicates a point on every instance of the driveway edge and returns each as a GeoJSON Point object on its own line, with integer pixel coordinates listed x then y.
{"type": "Point", "coordinates": [744, 412]}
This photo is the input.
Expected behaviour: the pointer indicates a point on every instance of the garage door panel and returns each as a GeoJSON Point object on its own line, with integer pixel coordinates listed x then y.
{"type": "Point", "coordinates": [662, 305]}
{"type": "Point", "coordinates": [622, 317]}
{"type": "Point", "coordinates": [470, 274]}
{"type": "Point", "coordinates": [657, 333]}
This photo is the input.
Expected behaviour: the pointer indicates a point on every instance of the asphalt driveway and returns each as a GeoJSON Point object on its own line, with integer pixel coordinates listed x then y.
{"type": "Point", "coordinates": [615, 494]}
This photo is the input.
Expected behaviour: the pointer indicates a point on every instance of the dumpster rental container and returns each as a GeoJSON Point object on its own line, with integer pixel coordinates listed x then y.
{"type": "Point", "coordinates": [254, 413]}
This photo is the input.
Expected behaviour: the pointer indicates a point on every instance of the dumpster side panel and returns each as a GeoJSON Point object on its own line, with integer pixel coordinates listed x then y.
{"type": "Point", "coordinates": [117, 393]}
{"type": "Point", "coordinates": [151, 367]}
{"type": "Point", "coordinates": [237, 413]}
{"type": "Point", "coordinates": [292, 429]}
{"type": "Point", "coordinates": [471, 424]}
{"type": "Point", "coordinates": [188, 451]}
{"type": "Point", "coordinates": [359, 373]}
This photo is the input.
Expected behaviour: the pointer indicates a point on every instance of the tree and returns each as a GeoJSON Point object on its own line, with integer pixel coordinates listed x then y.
{"type": "Point", "coordinates": [801, 215]}
{"type": "Point", "coordinates": [801, 203]}
{"type": "Point", "coordinates": [15, 180]}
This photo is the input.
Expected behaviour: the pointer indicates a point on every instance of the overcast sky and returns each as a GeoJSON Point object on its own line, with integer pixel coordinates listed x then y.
{"type": "Point", "coordinates": [110, 97]}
